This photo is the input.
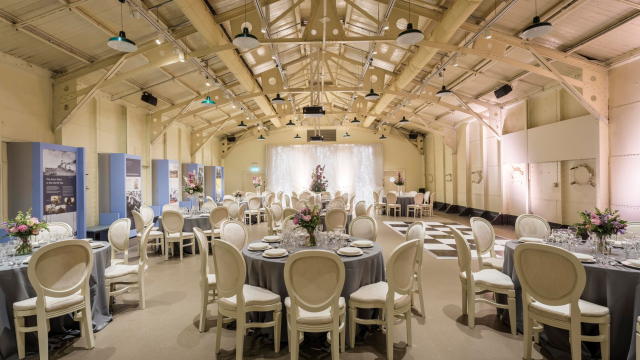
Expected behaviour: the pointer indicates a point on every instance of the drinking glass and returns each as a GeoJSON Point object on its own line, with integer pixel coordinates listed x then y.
{"type": "Point", "coordinates": [555, 236]}
{"type": "Point", "coordinates": [630, 250]}
{"type": "Point", "coordinates": [11, 251]}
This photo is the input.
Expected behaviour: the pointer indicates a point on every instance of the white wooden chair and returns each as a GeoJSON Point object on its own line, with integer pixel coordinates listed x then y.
{"type": "Point", "coordinates": [288, 224]}
{"type": "Point", "coordinates": [287, 201]}
{"type": "Point", "coordinates": [254, 209]}
{"type": "Point", "coordinates": [132, 276]}
{"type": "Point", "coordinates": [301, 204]}
{"type": "Point", "coordinates": [279, 196]}
{"type": "Point", "coordinates": [57, 228]}
{"type": "Point", "coordinates": [172, 224]}
{"type": "Point", "coordinates": [392, 206]}
{"type": "Point", "coordinates": [485, 238]}
{"type": "Point", "coordinates": [415, 208]}
{"type": "Point", "coordinates": [118, 236]}
{"type": "Point", "coordinates": [155, 237]}
{"type": "Point", "coordinates": [335, 218]}
{"type": "Point", "coordinates": [59, 274]}
{"type": "Point", "coordinates": [304, 196]}
{"type": "Point", "coordinates": [483, 281]}
{"type": "Point", "coordinates": [216, 217]}
{"type": "Point", "coordinates": [351, 208]}
{"type": "Point", "coordinates": [172, 206]}
{"type": "Point", "coordinates": [377, 205]}
{"type": "Point", "coordinates": [368, 213]}
{"type": "Point", "coordinates": [148, 215]}
{"type": "Point", "coordinates": [236, 300]}
{"type": "Point", "coordinates": [555, 278]}
{"type": "Point", "coordinates": [228, 201]}
{"type": "Point", "coordinates": [210, 199]}
{"type": "Point", "coordinates": [234, 232]}
{"type": "Point", "coordinates": [336, 204]}
{"type": "Point", "coordinates": [416, 232]}
{"type": "Point", "coordinates": [337, 194]}
{"type": "Point", "coordinates": [314, 303]}
{"type": "Point", "coordinates": [393, 296]}
{"type": "Point", "coordinates": [271, 230]}
{"type": "Point", "coordinates": [288, 212]}
{"type": "Point", "coordinates": [364, 227]}
{"type": "Point", "coordinates": [207, 279]}
{"type": "Point", "coordinates": [427, 207]}
{"type": "Point", "coordinates": [276, 209]}
{"type": "Point", "coordinates": [361, 208]}
{"type": "Point", "coordinates": [529, 227]}
{"type": "Point", "coordinates": [208, 206]}
{"type": "Point", "coordinates": [294, 194]}
{"type": "Point", "coordinates": [345, 198]}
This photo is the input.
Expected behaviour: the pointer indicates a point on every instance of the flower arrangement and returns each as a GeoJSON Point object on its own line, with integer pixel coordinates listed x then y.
{"type": "Point", "coordinates": [237, 195]}
{"type": "Point", "coordinates": [399, 181]}
{"type": "Point", "coordinates": [601, 223]}
{"type": "Point", "coordinates": [24, 226]}
{"type": "Point", "coordinates": [192, 185]}
{"type": "Point", "coordinates": [319, 182]}
{"type": "Point", "coordinates": [257, 182]}
{"type": "Point", "coordinates": [308, 218]}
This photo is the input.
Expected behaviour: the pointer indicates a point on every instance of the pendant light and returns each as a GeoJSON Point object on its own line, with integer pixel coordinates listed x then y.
{"type": "Point", "coordinates": [444, 92]}
{"type": "Point", "coordinates": [411, 35]}
{"type": "Point", "coordinates": [261, 137]}
{"type": "Point", "coordinates": [242, 125]}
{"type": "Point", "coordinates": [120, 42]}
{"type": "Point", "coordinates": [404, 119]}
{"type": "Point", "coordinates": [208, 102]}
{"type": "Point", "coordinates": [371, 96]}
{"type": "Point", "coordinates": [277, 100]}
{"type": "Point", "coordinates": [297, 137]}
{"type": "Point", "coordinates": [383, 137]}
{"type": "Point", "coordinates": [355, 120]}
{"type": "Point", "coordinates": [346, 135]}
{"type": "Point", "coordinates": [290, 124]}
{"type": "Point", "coordinates": [245, 40]}
{"type": "Point", "coordinates": [537, 28]}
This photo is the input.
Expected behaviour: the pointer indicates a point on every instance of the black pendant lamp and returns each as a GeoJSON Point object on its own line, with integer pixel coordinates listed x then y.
{"type": "Point", "coordinates": [120, 42]}
{"type": "Point", "coordinates": [383, 137]}
{"type": "Point", "coordinates": [261, 137]}
{"type": "Point", "coordinates": [346, 135]}
{"type": "Point", "coordinates": [245, 40]}
{"type": "Point", "coordinates": [290, 124]}
{"type": "Point", "coordinates": [355, 120]}
{"type": "Point", "coordinates": [411, 35]}
{"type": "Point", "coordinates": [278, 100]}
{"type": "Point", "coordinates": [444, 92]}
{"type": "Point", "coordinates": [403, 121]}
{"type": "Point", "coordinates": [297, 137]}
{"type": "Point", "coordinates": [371, 96]}
{"type": "Point", "coordinates": [242, 125]}
{"type": "Point", "coordinates": [537, 28]}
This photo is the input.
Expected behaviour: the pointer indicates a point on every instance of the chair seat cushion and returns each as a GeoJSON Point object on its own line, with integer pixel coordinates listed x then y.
{"type": "Point", "coordinates": [119, 270]}
{"type": "Point", "coordinates": [211, 278]}
{"type": "Point", "coordinates": [561, 312]}
{"type": "Point", "coordinates": [490, 277]}
{"type": "Point", "coordinates": [175, 236]}
{"type": "Point", "coordinates": [494, 263]}
{"type": "Point", "coordinates": [53, 303]}
{"type": "Point", "coordinates": [316, 318]}
{"type": "Point", "coordinates": [155, 228]}
{"type": "Point", "coordinates": [215, 232]}
{"type": "Point", "coordinates": [153, 234]}
{"type": "Point", "coordinates": [377, 294]}
{"type": "Point", "coordinates": [253, 295]}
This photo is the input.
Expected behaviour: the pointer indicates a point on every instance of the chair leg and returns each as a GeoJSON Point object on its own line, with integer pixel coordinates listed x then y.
{"type": "Point", "coordinates": [87, 325]}
{"type": "Point", "coordinates": [576, 342]}
{"type": "Point", "coordinates": [352, 326]}
{"type": "Point", "coordinates": [43, 338]}
{"type": "Point", "coordinates": [181, 246]}
{"type": "Point", "coordinates": [193, 246]}
{"type": "Point", "coordinates": [407, 318]}
{"type": "Point", "coordinates": [390, 320]}
{"type": "Point", "coordinates": [343, 333]}
{"type": "Point", "coordinates": [335, 345]}
{"type": "Point", "coordinates": [141, 291]}
{"type": "Point", "coordinates": [465, 308]}
{"type": "Point", "coordinates": [166, 250]}
{"type": "Point", "coordinates": [19, 324]}
{"type": "Point", "coordinates": [294, 345]}
{"type": "Point", "coordinates": [204, 301]}
{"type": "Point", "coordinates": [421, 295]}
{"type": "Point", "coordinates": [471, 304]}
{"type": "Point", "coordinates": [527, 328]}
{"type": "Point", "coordinates": [512, 314]}
{"type": "Point", "coordinates": [240, 322]}
{"type": "Point", "coordinates": [219, 320]}
{"type": "Point", "coordinates": [108, 289]}
{"type": "Point", "coordinates": [605, 344]}
{"type": "Point", "coordinates": [277, 318]}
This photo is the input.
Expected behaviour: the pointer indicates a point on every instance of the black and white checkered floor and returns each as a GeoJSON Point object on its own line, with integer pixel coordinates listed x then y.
{"type": "Point", "coordinates": [439, 241]}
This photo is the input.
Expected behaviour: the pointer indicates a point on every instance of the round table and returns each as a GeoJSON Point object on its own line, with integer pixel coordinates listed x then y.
{"type": "Point", "coordinates": [268, 273]}
{"type": "Point", "coordinates": [15, 286]}
{"type": "Point", "coordinates": [190, 222]}
{"type": "Point", "coordinates": [613, 287]}
{"type": "Point", "coordinates": [404, 201]}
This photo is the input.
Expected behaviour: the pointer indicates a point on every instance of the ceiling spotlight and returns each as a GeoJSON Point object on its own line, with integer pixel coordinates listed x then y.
{"type": "Point", "coordinates": [371, 96]}
{"type": "Point", "coordinates": [383, 137]}
{"type": "Point", "coordinates": [263, 26]}
{"type": "Point", "coordinates": [444, 92]}
{"type": "Point", "coordinates": [261, 137]}
{"type": "Point", "coordinates": [410, 36]}
{"type": "Point", "coordinates": [404, 120]}
{"type": "Point", "coordinates": [385, 25]}
{"type": "Point", "coordinates": [290, 124]}
{"type": "Point", "coordinates": [208, 83]}
{"type": "Point", "coordinates": [537, 28]}
{"type": "Point", "coordinates": [181, 56]}
{"type": "Point", "coordinates": [160, 38]}
{"type": "Point", "coordinates": [346, 135]}
{"type": "Point", "coordinates": [355, 120]}
{"type": "Point", "coordinates": [120, 42]}
{"type": "Point", "coordinates": [297, 137]}
{"type": "Point", "coordinates": [487, 34]}
{"type": "Point", "coordinates": [440, 75]}
{"type": "Point", "coordinates": [245, 40]}
{"type": "Point", "coordinates": [455, 61]}
{"type": "Point", "coordinates": [277, 100]}
{"type": "Point", "coordinates": [233, 105]}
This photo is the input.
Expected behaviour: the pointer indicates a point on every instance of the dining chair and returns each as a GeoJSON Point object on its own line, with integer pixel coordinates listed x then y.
{"type": "Point", "coordinates": [337, 194]}
{"type": "Point", "coordinates": [228, 202]}
{"type": "Point", "coordinates": [304, 196]}
{"type": "Point", "coordinates": [279, 195]}
{"type": "Point", "coordinates": [155, 236]}
{"type": "Point", "coordinates": [531, 227]}
{"type": "Point", "coordinates": [484, 238]}
{"type": "Point", "coordinates": [254, 209]}
{"type": "Point", "coordinates": [60, 228]}
{"type": "Point", "coordinates": [345, 198]}
{"type": "Point", "coordinates": [351, 208]}
{"type": "Point", "coordinates": [216, 217]}
{"type": "Point", "coordinates": [427, 207]}
{"type": "Point", "coordinates": [314, 303]}
{"type": "Point", "coordinates": [288, 224]}
{"type": "Point", "coordinates": [294, 194]}
{"type": "Point", "coordinates": [361, 208]}
{"type": "Point", "coordinates": [208, 206]}
{"type": "Point", "coordinates": [335, 218]}
{"type": "Point", "coordinates": [132, 276]}
{"type": "Point", "coordinates": [364, 227]}
{"type": "Point", "coordinates": [311, 201]}
{"type": "Point", "coordinates": [416, 232]}
{"type": "Point", "coordinates": [391, 205]}
{"type": "Point", "coordinates": [148, 215]}
{"type": "Point", "coordinates": [336, 204]}
{"type": "Point", "coordinates": [301, 204]}
{"type": "Point", "coordinates": [249, 194]}
{"type": "Point", "coordinates": [376, 202]}
{"type": "Point", "coordinates": [210, 199]}
{"type": "Point", "coordinates": [118, 236]}
{"type": "Point", "coordinates": [59, 273]}
{"type": "Point", "coordinates": [172, 206]}
{"type": "Point", "coordinates": [207, 278]}
{"type": "Point", "coordinates": [481, 282]}
{"type": "Point", "coordinates": [369, 210]}
{"type": "Point", "coordinates": [393, 296]}
{"type": "Point", "coordinates": [276, 210]}
{"type": "Point", "coordinates": [555, 278]}
{"type": "Point", "coordinates": [271, 230]}
{"type": "Point", "coordinates": [234, 232]}
{"type": "Point", "coordinates": [234, 211]}
{"type": "Point", "coordinates": [236, 299]}
{"type": "Point", "coordinates": [294, 201]}
{"type": "Point", "coordinates": [173, 224]}
{"type": "Point", "coordinates": [418, 199]}
{"type": "Point", "coordinates": [288, 212]}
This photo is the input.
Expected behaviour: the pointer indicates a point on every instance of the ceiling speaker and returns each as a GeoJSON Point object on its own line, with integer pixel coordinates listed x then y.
{"type": "Point", "coordinates": [149, 99]}
{"type": "Point", "coordinates": [503, 91]}
{"type": "Point", "coordinates": [413, 136]}
{"type": "Point", "coordinates": [231, 138]}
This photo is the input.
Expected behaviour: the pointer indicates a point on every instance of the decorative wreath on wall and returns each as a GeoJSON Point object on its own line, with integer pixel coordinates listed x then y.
{"type": "Point", "coordinates": [430, 178]}
{"type": "Point", "coordinates": [448, 178]}
{"type": "Point", "coordinates": [583, 174]}
{"type": "Point", "coordinates": [476, 176]}
{"type": "Point", "coordinates": [517, 175]}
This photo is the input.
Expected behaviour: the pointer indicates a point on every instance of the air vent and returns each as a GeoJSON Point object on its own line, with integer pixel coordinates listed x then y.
{"type": "Point", "coordinates": [328, 135]}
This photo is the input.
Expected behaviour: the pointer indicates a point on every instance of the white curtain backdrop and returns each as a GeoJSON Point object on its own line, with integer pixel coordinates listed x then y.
{"type": "Point", "coordinates": [352, 168]}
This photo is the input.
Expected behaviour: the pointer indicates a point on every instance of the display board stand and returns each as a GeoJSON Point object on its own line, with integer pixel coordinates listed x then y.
{"type": "Point", "coordinates": [214, 182]}
{"type": "Point", "coordinates": [165, 182]}
{"type": "Point", "coordinates": [120, 184]}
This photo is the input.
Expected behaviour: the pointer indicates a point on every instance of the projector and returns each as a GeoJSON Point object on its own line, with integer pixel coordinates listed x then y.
{"type": "Point", "coordinates": [149, 99]}
{"type": "Point", "coordinates": [318, 138]}
{"type": "Point", "coordinates": [413, 136]}
{"type": "Point", "coordinates": [313, 111]}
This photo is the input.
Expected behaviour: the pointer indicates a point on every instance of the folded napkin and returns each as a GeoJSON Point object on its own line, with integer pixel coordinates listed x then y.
{"type": "Point", "coordinates": [349, 251]}
{"type": "Point", "coordinates": [271, 238]}
{"type": "Point", "coordinates": [584, 257]}
{"type": "Point", "coordinates": [530, 240]}
{"type": "Point", "coordinates": [634, 262]}
{"type": "Point", "coordinates": [26, 261]}
{"type": "Point", "coordinates": [275, 252]}
{"type": "Point", "coordinates": [362, 243]}
{"type": "Point", "coordinates": [258, 246]}
{"type": "Point", "coordinates": [96, 245]}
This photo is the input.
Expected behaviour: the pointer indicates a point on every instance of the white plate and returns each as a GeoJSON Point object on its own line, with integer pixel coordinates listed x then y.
{"type": "Point", "coordinates": [585, 258]}
{"type": "Point", "coordinates": [343, 252]}
{"type": "Point", "coordinates": [95, 245]}
{"type": "Point", "coordinates": [355, 244]}
{"type": "Point", "coordinates": [628, 264]}
{"type": "Point", "coordinates": [271, 239]}
{"type": "Point", "coordinates": [274, 257]}
{"type": "Point", "coordinates": [531, 240]}
{"type": "Point", "coordinates": [266, 248]}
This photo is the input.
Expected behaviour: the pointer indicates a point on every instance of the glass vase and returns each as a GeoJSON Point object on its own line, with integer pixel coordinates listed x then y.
{"type": "Point", "coordinates": [603, 244]}
{"type": "Point", "coordinates": [311, 239]}
{"type": "Point", "coordinates": [25, 247]}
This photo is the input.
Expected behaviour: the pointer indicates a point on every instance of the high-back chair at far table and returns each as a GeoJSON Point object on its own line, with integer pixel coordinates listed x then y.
{"type": "Point", "coordinates": [155, 237]}
{"type": "Point", "coordinates": [207, 278]}
{"type": "Point", "coordinates": [416, 231]}
{"type": "Point", "coordinates": [234, 232]}
{"type": "Point", "coordinates": [173, 224]}
{"type": "Point", "coordinates": [532, 228]}
{"type": "Point", "coordinates": [364, 227]}
{"type": "Point", "coordinates": [335, 218]}
{"type": "Point", "coordinates": [485, 239]}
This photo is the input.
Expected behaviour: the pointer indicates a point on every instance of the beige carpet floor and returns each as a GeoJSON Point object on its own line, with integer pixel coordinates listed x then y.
{"type": "Point", "coordinates": [168, 327]}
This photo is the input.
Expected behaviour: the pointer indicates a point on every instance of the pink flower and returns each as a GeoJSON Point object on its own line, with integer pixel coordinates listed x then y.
{"type": "Point", "coordinates": [190, 191]}
{"type": "Point", "coordinates": [296, 221]}
{"type": "Point", "coordinates": [22, 228]}
{"type": "Point", "coordinates": [13, 229]}
{"type": "Point", "coordinates": [306, 218]}
{"type": "Point", "coordinates": [595, 221]}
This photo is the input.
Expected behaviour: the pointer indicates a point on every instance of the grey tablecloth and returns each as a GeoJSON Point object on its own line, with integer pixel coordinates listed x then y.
{"type": "Point", "coordinates": [614, 288]}
{"type": "Point", "coordinates": [325, 226]}
{"type": "Point", "coordinates": [15, 286]}
{"type": "Point", "coordinates": [404, 201]}
{"type": "Point", "coordinates": [269, 274]}
{"type": "Point", "coordinates": [199, 221]}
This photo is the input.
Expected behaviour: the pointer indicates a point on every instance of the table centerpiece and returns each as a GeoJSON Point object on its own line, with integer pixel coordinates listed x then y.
{"type": "Point", "coordinates": [238, 195]}
{"type": "Point", "coordinates": [399, 182]}
{"type": "Point", "coordinates": [257, 183]}
{"type": "Point", "coordinates": [307, 219]}
{"type": "Point", "coordinates": [601, 225]}
{"type": "Point", "coordinates": [192, 187]}
{"type": "Point", "coordinates": [319, 182]}
{"type": "Point", "coordinates": [23, 227]}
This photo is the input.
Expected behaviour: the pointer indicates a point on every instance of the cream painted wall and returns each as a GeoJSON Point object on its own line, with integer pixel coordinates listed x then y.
{"type": "Point", "coordinates": [398, 155]}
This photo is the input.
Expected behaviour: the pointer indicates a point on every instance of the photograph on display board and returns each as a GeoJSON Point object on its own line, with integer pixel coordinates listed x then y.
{"type": "Point", "coordinates": [201, 180]}
{"type": "Point", "coordinates": [218, 183]}
{"type": "Point", "coordinates": [59, 186]}
{"type": "Point", "coordinates": [174, 183]}
{"type": "Point", "coordinates": [133, 185]}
